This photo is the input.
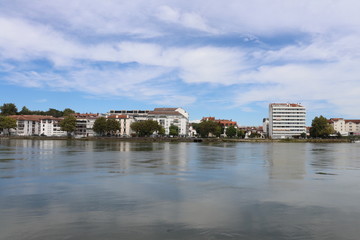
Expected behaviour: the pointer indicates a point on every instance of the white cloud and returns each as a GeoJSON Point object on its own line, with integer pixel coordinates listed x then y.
{"type": "Point", "coordinates": [320, 66]}
{"type": "Point", "coordinates": [186, 19]}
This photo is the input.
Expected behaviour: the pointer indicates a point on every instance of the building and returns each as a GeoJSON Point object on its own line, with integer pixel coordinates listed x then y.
{"type": "Point", "coordinates": [345, 127]}
{"type": "Point", "coordinates": [125, 122]}
{"type": "Point", "coordinates": [171, 116]}
{"type": "Point", "coordinates": [286, 120]}
{"type": "Point", "coordinates": [85, 123]}
{"type": "Point", "coordinates": [164, 116]}
{"type": "Point", "coordinates": [37, 125]}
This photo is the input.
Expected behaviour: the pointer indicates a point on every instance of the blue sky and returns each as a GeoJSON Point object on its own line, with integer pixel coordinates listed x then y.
{"type": "Point", "coordinates": [213, 58]}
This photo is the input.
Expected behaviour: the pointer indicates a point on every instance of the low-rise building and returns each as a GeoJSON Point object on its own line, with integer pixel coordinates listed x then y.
{"type": "Point", "coordinates": [164, 116]}
{"type": "Point", "coordinates": [85, 123]}
{"type": "Point", "coordinates": [345, 127]}
{"type": "Point", "coordinates": [32, 125]}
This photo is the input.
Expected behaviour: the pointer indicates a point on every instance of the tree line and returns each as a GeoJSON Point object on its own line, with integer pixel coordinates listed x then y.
{"type": "Point", "coordinates": [8, 109]}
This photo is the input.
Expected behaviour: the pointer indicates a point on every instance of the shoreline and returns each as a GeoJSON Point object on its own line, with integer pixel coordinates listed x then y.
{"type": "Point", "coordinates": [165, 139]}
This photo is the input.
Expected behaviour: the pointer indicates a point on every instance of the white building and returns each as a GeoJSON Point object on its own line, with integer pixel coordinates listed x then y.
{"type": "Point", "coordinates": [346, 127]}
{"type": "Point", "coordinates": [171, 116]}
{"type": "Point", "coordinates": [31, 125]}
{"type": "Point", "coordinates": [164, 116]}
{"type": "Point", "coordinates": [125, 122]}
{"type": "Point", "coordinates": [85, 123]}
{"type": "Point", "coordinates": [286, 120]}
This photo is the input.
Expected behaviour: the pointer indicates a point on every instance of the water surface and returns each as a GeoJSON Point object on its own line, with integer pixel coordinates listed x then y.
{"type": "Point", "coordinates": [53, 189]}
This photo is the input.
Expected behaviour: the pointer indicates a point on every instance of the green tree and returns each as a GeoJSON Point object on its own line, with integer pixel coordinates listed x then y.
{"type": "Point", "coordinates": [231, 131]}
{"type": "Point", "coordinates": [100, 126]}
{"type": "Point", "coordinates": [303, 135]}
{"type": "Point", "coordinates": [241, 133]}
{"type": "Point", "coordinates": [8, 109]}
{"type": "Point", "coordinates": [161, 131]}
{"type": "Point", "coordinates": [173, 130]}
{"type": "Point", "coordinates": [320, 128]}
{"type": "Point", "coordinates": [68, 111]}
{"type": "Point", "coordinates": [112, 126]}
{"type": "Point", "coordinates": [7, 123]}
{"type": "Point", "coordinates": [68, 124]}
{"type": "Point", "coordinates": [25, 111]}
{"type": "Point", "coordinates": [206, 127]}
{"type": "Point", "coordinates": [54, 112]}
{"type": "Point", "coordinates": [145, 128]}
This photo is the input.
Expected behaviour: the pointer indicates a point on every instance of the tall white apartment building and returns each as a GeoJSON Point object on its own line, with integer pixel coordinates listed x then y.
{"type": "Point", "coordinates": [286, 120]}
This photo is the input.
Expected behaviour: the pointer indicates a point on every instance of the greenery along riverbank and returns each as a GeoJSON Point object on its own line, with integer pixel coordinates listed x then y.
{"type": "Point", "coordinates": [178, 139]}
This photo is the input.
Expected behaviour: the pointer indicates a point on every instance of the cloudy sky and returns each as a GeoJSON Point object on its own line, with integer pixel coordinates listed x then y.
{"type": "Point", "coordinates": [227, 59]}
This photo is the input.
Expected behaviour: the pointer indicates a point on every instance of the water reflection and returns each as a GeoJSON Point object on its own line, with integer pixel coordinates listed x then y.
{"type": "Point", "coordinates": [286, 161]}
{"type": "Point", "coordinates": [124, 190]}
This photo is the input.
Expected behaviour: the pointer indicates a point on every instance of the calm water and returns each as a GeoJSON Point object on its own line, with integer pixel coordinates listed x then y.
{"type": "Point", "coordinates": [121, 190]}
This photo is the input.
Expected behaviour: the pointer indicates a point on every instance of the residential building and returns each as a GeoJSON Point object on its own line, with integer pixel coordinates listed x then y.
{"type": "Point", "coordinates": [85, 123]}
{"type": "Point", "coordinates": [164, 116]}
{"type": "Point", "coordinates": [31, 125]}
{"type": "Point", "coordinates": [125, 122]}
{"type": "Point", "coordinates": [345, 127]}
{"type": "Point", "coordinates": [286, 120]}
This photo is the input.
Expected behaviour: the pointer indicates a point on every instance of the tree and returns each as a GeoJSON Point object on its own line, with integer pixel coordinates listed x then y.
{"type": "Point", "coordinates": [161, 131]}
{"type": "Point", "coordinates": [68, 124]}
{"type": "Point", "coordinates": [320, 128]}
{"type": "Point", "coordinates": [25, 111]}
{"type": "Point", "coordinates": [68, 111]}
{"type": "Point", "coordinates": [173, 130]}
{"type": "Point", "coordinates": [7, 123]}
{"type": "Point", "coordinates": [240, 133]}
{"type": "Point", "coordinates": [145, 128]}
{"type": "Point", "coordinates": [206, 127]}
{"type": "Point", "coordinates": [231, 131]}
{"type": "Point", "coordinates": [54, 112]}
{"type": "Point", "coordinates": [303, 135]}
{"type": "Point", "coordinates": [100, 126]}
{"type": "Point", "coordinates": [112, 126]}
{"type": "Point", "coordinates": [8, 109]}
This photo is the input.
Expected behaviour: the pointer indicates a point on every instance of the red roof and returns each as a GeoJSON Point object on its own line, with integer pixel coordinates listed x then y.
{"type": "Point", "coordinates": [164, 112]}
{"type": "Point", "coordinates": [357, 121]}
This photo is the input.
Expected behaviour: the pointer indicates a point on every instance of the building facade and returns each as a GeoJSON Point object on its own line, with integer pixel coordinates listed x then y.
{"type": "Point", "coordinates": [164, 116]}
{"type": "Point", "coordinates": [37, 125]}
{"type": "Point", "coordinates": [345, 127]}
{"type": "Point", "coordinates": [286, 120]}
{"type": "Point", "coordinates": [84, 124]}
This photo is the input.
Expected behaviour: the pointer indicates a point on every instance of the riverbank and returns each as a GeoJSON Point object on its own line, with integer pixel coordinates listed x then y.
{"type": "Point", "coordinates": [168, 139]}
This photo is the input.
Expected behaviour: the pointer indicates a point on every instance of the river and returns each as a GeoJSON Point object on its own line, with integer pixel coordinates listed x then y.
{"type": "Point", "coordinates": [57, 189]}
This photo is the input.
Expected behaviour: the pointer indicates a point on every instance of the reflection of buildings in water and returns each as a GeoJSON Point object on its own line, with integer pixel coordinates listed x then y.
{"type": "Point", "coordinates": [286, 161]}
{"type": "Point", "coordinates": [175, 155]}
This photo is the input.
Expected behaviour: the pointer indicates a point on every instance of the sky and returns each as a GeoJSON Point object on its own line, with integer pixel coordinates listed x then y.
{"type": "Point", "coordinates": [227, 59]}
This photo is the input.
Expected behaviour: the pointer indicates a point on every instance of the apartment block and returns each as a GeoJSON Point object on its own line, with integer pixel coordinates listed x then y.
{"type": "Point", "coordinates": [30, 125]}
{"type": "Point", "coordinates": [286, 120]}
{"type": "Point", "coordinates": [346, 127]}
{"type": "Point", "coordinates": [164, 116]}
